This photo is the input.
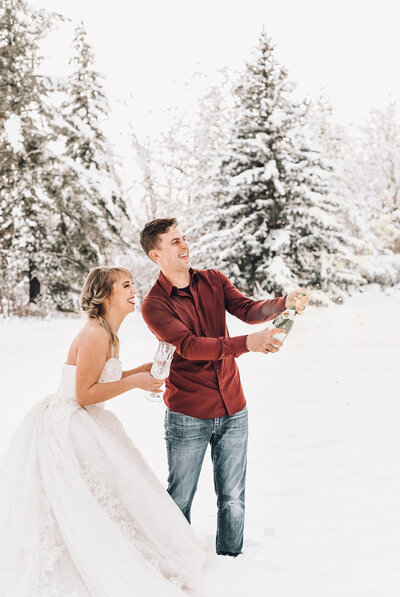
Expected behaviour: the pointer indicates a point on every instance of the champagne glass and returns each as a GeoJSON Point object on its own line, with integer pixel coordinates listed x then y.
{"type": "Point", "coordinates": [161, 366]}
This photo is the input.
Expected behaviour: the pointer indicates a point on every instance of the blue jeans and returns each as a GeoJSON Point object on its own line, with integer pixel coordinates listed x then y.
{"type": "Point", "coordinates": [187, 440]}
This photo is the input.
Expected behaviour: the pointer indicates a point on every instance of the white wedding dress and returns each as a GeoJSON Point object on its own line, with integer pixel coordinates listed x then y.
{"type": "Point", "coordinates": [81, 512]}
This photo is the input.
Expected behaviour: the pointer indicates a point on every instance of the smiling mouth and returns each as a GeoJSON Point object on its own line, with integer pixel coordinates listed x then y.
{"type": "Point", "coordinates": [184, 256]}
{"type": "Point", "coordinates": [131, 301]}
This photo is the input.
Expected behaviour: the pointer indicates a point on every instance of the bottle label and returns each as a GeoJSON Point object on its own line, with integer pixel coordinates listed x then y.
{"type": "Point", "coordinates": [289, 314]}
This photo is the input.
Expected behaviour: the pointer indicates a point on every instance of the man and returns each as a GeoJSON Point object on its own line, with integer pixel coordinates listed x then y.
{"type": "Point", "coordinates": [205, 400]}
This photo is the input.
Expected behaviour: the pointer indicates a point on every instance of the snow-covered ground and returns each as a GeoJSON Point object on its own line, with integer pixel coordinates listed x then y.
{"type": "Point", "coordinates": [323, 490]}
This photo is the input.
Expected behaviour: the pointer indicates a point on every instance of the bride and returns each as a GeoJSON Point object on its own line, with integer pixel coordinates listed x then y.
{"type": "Point", "coordinates": [81, 512]}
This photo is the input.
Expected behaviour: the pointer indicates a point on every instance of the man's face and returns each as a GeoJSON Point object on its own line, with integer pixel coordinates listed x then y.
{"type": "Point", "coordinates": [172, 252]}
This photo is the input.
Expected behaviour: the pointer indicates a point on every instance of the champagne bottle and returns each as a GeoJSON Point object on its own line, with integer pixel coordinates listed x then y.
{"type": "Point", "coordinates": [284, 321]}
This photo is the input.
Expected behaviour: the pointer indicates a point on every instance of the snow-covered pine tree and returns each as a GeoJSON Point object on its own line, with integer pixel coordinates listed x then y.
{"type": "Point", "coordinates": [334, 142]}
{"type": "Point", "coordinates": [24, 207]}
{"type": "Point", "coordinates": [86, 109]}
{"type": "Point", "coordinates": [272, 223]}
{"type": "Point", "coordinates": [90, 212]}
{"type": "Point", "coordinates": [372, 175]}
{"type": "Point", "coordinates": [59, 202]}
{"type": "Point", "coordinates": [381, 169]}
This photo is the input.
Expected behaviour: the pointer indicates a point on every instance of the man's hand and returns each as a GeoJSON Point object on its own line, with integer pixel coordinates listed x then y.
{"type": "Point", "coordinates": [299, 298]}
{"type": "Point", "coordinates": [264, 341]}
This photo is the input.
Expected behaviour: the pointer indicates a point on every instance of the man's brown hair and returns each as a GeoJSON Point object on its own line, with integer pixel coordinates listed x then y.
{"type": "Point", "coordinates": [152, 230]}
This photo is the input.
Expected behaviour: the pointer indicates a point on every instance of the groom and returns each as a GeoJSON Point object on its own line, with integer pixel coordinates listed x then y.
{"type": "Point", "coordinates": [204, 396]}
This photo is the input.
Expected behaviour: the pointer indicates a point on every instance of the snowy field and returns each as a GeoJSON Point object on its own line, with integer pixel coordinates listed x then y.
{"type": "Point", "coordinates": [323, 490]}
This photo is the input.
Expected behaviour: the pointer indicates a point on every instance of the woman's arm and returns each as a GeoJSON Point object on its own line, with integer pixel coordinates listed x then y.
{"type": "Point", "coordinates": [91, 358]}
{"type": "Point", "coordinates": [141, 369]}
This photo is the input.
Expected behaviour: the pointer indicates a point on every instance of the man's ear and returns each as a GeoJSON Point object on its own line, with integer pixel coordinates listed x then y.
{"type": "Point", "coordinates": [153, 255]}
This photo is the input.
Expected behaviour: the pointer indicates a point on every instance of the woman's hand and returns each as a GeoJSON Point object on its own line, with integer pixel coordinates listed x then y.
{"type": "Point", "coordinates": [145, 368]}
{"type": "Point", "coordinates": [145, 381]}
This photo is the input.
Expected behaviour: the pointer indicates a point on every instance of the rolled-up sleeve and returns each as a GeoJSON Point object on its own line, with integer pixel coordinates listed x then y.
{"type": "Point", "coordinates": [247, 309]}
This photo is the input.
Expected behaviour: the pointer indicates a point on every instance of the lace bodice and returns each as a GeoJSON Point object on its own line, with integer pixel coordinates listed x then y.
{"type": "Point", "coordinates": [66, 390]}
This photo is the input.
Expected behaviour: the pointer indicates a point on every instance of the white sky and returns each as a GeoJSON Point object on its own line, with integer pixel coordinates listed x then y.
{"type": "Point", "coordinates": [349, 49]}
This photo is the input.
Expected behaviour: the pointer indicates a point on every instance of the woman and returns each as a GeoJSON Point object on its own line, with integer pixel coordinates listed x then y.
{"type": "Point", "coordinates": [81, 513]}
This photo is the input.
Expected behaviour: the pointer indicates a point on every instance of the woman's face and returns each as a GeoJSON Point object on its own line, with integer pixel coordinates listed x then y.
{"type": "Point", "coordinates": [123, 293]}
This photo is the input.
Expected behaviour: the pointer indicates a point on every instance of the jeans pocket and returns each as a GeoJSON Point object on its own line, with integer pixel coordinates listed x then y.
{"type": "Point", "coordinates": [179, 420]}
{"type": "Point", "coordinates": [238, 424]}
{"type": "Point", "coordinates": [183, 428]}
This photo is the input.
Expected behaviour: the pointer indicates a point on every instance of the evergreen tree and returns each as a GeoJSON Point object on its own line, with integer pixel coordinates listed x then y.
{"type": "Point", "coordinates": [380, 166]}
{"type": "Point", "coordinates": [371, 172]}
{"type": "Point", "coordinates": [86, 109]}
{"type": "Point", "coordinates": [91, 212]}
{"type": "Point", "coordinates": [61, 211]}
{"type": "Point", "coordinates": [365, 163]}
{"type": "Point", "coordinates": [271, 222]}
{"type": "Point", "coordinates": [334, 141]}
{"type": "Point", "coordinates": [23, 164]}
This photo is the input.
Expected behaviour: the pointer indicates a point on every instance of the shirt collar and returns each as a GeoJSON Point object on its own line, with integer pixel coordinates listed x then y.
{"type": "Point", "coordinates": [167, 286]}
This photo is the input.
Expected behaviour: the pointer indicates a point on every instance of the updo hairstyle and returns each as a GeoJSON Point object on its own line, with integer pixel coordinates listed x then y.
{"type": "Point", "coordinates": [96, 289]}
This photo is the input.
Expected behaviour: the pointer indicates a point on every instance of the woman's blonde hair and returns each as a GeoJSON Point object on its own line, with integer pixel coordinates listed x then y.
{"type": "Point", "coordinates": [96, 289]}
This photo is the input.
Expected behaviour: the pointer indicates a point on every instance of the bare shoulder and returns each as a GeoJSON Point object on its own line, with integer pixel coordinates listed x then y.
{"type": "Point", "coordinates": [91, 333]}
{"type": "Point", "coordinates": [91, 337]}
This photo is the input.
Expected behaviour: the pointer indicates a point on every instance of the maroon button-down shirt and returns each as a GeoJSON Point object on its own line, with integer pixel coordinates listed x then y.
{"type": "Point", "coordinates": [204, 380]}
